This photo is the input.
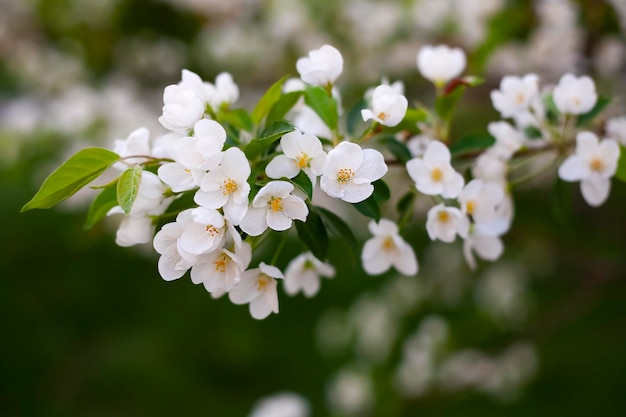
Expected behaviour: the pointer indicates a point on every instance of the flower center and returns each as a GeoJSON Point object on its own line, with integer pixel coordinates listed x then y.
{"type": "Point", "coordinates": [212, 230]}
{"type": "Point", "coordinates": [519, 99]}
{"type": "Point", "coordinates": [382, 116]}
{"type": "Point", "coordinates": [470, 206]}
{"type": "Point", "coordinates": [229, 187]}
{"type": "Point", "coordinates": [221, 263]}
{"type": "Point", "coordinates": [443, 216]}
{"type": "Point", "coordinates": [302, 161]}
{"type": "Point", "coordinates": [596, 165]}
{"type": "Point", "coordinates": [187, 170]}
{"type": "Point", "coordinates": [388, 244]}
{"type": "Point", "coordinates": [262, 282]}
{"type": "Point", "coordinates": [344, 175]}
{"type": "Point", "coordinates": [276, 204]}
{"type": "Point", "coordinates": [436, 175]}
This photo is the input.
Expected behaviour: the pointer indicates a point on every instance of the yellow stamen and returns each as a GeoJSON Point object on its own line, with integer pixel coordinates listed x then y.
{"type": "Point", "coordinates": [221, 263]}
{"type": "Point", "coordinates": [303, 160]}
{"type": "Point", "coordinates": [276, 204]}
{"type": "Point", "coordinates": [470, 206]}
{"type": "Point", "coordinates": [596, 165]}
{"type": "Point", "coordinates": [344, 175]}
{"type": "Point", "coordinates": [262, 282]}
{"type": "Point", "coordinates": [388, 243]}
{"type": "Point", "coordinates": [436, 175]}
{"type": "Point", "coordinates": [212, 230]}
{"type": "Point", "coordinates": [187, 170]}
{"type": "Point", "coordinates": [382, 116]}
{"type": "Point", "coordinates": [443, 216]}
{"type": "Point", "coordinates": [229, 187]}
{"type": "Point", "coordinates": [519, 99]}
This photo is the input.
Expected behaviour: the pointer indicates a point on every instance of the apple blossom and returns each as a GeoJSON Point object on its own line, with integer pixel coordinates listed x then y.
{"type": "Point", "coordinates": [487, 247]}
{"type": "Point", "coordinates": [258, 287]}
{"type": "Point", "coordinates": [275, 207]}
{"type": "Point", "coordinates": [350, 171]}
{"type": "Point", "coordinates": [575, 95]}
{"type": "Point", "coordinates": [205, 233]}
{"type": "Point", "coordinates": [616, 129]}
{"type": "Point", "coordinates": [321, 67]}
{"type": "Point", "coordinates": [440, 64]}
{"type": "Point", "coordinates": [479, 200]}
{"type": "Point", "coordinates": [302, 152]}
{"type": "Point", "coordinates": [303, 274]}
{"type": "Point", "coordinates": [181, 109]}
{"type": "Point", "coordinates": [221, 269]}
{"type": "Point", "coordinates": [433, 174]}
{"type": "Point", "coordinates": [387, 249]}
{"type": "Point", "coordinates": [388, 106]}
{"type": "Point", "coordinates": [172, 264]}
{"type": "Point", "coordinates": [593, 164]}
{"type": "Point", "coordinates": [444, 223]}
{"type": "Point", "coordinates": [508, 139]}
{"type": "Point", "coordinates": [136, 144]}
{"type": "Point", "coordinates": [515, 94]}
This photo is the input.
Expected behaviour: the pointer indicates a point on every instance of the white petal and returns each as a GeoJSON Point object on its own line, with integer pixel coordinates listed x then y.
{"type": "Point", "coordinates": [374, 260]}
{"type": "Point", "coordinates": [595, 190]}
{"type": "Point", "coordinates": [436, 152]}
{"type": "Point", "coordinates": [573, 168]}
{"type": "Point", "coordinates": [282, 166]}
{"type": "Point", "coordinates": [355, 193]}
{"type": "Point", "coordinates": [254, 223]}
{"type": "Point", "coordinates": [246, 290]}
{"type": "Point", "coordinates": [373, 166]}
{"type": "Point", "coordinates": [406, 261]}
{"type": "Point", "coordinates": [295, 208]}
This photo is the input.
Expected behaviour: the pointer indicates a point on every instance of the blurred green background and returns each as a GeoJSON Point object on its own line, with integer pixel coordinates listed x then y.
{"type": "Point", "coordinates": [90, 329]}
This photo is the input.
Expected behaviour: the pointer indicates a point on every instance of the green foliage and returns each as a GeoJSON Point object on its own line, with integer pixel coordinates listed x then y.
{"type": "Point", "coordinates": [354, 118]}
{"type": "Point", "coordinates": [410, 121]}
{"type": "Point", "coordinates": [128, 187]}
{"type": "Point", "coordinates": [620, 174]}
{"type": "Point", "coordinates": [282, 106]}
{"type": "Point", "coordinates": [303, 182]}
{"type": "Point", "coordinates": [100, 206]}
{"type": "Point", "coordinates": [471, 143]}
{"type": "Point", "coordinates": [238, 118]}
{"type": "Point", "coordinates": [552, 113]}
{"type": "Point", "coordinates": [397, 148]}
{"type": "Point", "coordinates": [585, 119]}
{"type": "Point", "coordinates": [532, 132]}
{"type": "Point", "coordinates": [267, 136]}
{"type": "Point", "coordinates": [78, 171]}
{"type": "Point", "coordinates": [323, 105]}
{"type": "Point", "coordinates": [369, 208]}
{"type": "Point", "coordinates": [382, 192]}
{"type": "Point", "coordinates": [405, 206]}
{"type": "Point", "coordinates": [339, 228]}
{"type": "Point", "coordinates": [265, 104]}
{"type": "Point", "coordinates": [313, 234]}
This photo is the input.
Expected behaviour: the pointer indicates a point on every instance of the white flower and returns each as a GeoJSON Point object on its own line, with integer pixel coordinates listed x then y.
{"type": "Point", "coordinates": [275, 207]}
{"type": "Point", "coordinates": [302, 152]}
{"type": "Point", "coordinates": [508, 139]}
{"type": "Point", "coordinates": [440, 64]}
{"type": "Point", "coordinates": [515, 94]}
{"type": "Point", "coordinates": [258, 287]}
{"type": "Point", "coordinates": [134, 230]}
{"type": "Point", "coordinates": [490, 168]}
{"type": "Point", "coordinates": [444, 223]}
{"type": "Point", "coordinates": [616, 129]}
{"type": "Point", "coordinates": [181, 110]}
{"type": "Point", "coordinates": [202, 150]}
{"type": "Point", "coordinates": [350, 170]}
{"type": "Point", "coordinates": [593, 164]}
{"type": "Point", "coordinates": [137, 143]}
{"type": "Point", "coordinates": [222, 269]}
{"type": "Point", "coordinates": [284, 404]}
{"type": "Point", "coordinates": [172, 263]}
{"type": "Point", "coordinates": [433, 174]}
{"type": "Point", "coordinates": [205, 233]}
{"type": "Point", "coordinates": [388, 106]}
{"type": "Point", "coordinates": [418, 144]}
{"type": "Point", "coordinates": [227, 186]}
{"type": "Point", "coordinates": [226, 91]}
{"type": "Point", "coordinates": [487, 247]}
{"type": "Point", "coordinates": [480, 200]}
{"type": "Point", "coordinates": [303, 274]}
{"type": "Point", "coordinates": [387, 249]}
{"type": "Point", "coordinates": [321, 67]}
{"type": "Point", "coordinates": [575, 95]}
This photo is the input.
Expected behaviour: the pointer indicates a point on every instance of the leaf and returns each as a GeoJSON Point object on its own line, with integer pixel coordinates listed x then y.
{"type": "Point", "coordinates": [265, 104]}
{"type": "Point", "coordinates": [239, 118]}
{"type": "Point", "coordinates": [475, 142]}
{"type": "Point", "coordinates": [620, 174]}
{"type": "Point", "coordinates": [552, 113]}
{"type": "Point", "coordinates": [446, 103]}
{"type": "Point", "coordinates": [268, 136]}
{"type": "Point", "coordinates": [313, 234]}
{"type": "Point", "coordinates": [369, 208]}
{"type": "Point", "coordinates": [282, 106]}
{"type": "Point", "coordinates": [561, 202]}
{"type": "Point", "coordinates": [303, 182]}
{"type": "Point", "coordinates": [397, 148]}
{"type": "Point", "coordinates": [339, 228]}
{"type": "Point", "coordinates": [354, 118]}
{"type": "Point", "coordinates": [128, 187]}
{"type": "Point", "coordinates": [74, 174]}
{"type": "Point", "coordinates": [325, 106]}
{"type": "Point", "coordinates": [381, 191]}
{"type": "Point", "coordinates": [533, 132]}
{"type": "Point", "coordinates": [405, 207]}
{"type": "Point", "coordinates": [100, 206]}
{"type": "Point", "coordinates": [585, 119]}
{"type": "Point", "coordinates": [410, 121]}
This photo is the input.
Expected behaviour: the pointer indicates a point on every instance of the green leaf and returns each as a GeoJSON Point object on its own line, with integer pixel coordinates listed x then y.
{"type": "Point", "coordinates": [105, 201]}
{"type": "Point", "coordinates": [265, 104]}
{"type": "Point", "coordinates": [585, 119]}
{"type": "Point", "coordinates": [405, 207]}
{"type": "Point", "coordinates": [474, 142]}
{"type": "Point", "coordinates": [74, 174]}
{"type": "Point", "coordinates": [339, 228]}
{"type": "Point", "coordinates": [397, 148]}
{"type": "Point", "coordinates": [313, 234]}
{"type": "Point", "coordinates": [532, 132]}
{"type": "Point", "coordinates": [552, 113]}
{"type": "Point", "coordinates": [268, 136]}
{"type": "Point", "coordinates": [325, 106]}
{"type": "Point", "coordinates": [381, 191]}
{"type": "Point", "coordinates": [446, 103]}
{"type": "Point", "coordinates": [303, 182]}
{"type": "Point", "coordinates": [238, 118]}
{"type": "Point", "coordinates": [409, 122]}
{"type": "Point", "coordinates": [369, 208]}
{"type": "Point", "coordinates": [128, 187]}
{"type": "Point", "coordinates": [282, 106]}
{"type": "Point", "coordinates": [561, 202]}
{"type": "Point", "coordinates": [620, 174]}
{"type": "Point", "coordinates": [354, 118]}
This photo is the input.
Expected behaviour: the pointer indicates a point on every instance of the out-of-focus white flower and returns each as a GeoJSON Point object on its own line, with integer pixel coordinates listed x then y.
{"type": "Point", "coordinates": [575, 95]}
{"type": "Point", "coordinates": [418, 144]}
{"type": "Point", "coordinates": [351, 392]}
{"type": "Point", "coordinates": [227, 186]}
{"type": "Point", "coordinates": [226, 91]}
{"type": "Point", "coordinates": [440, 64]}
{"type": "Point", "coordinates": [275, 207]}
{"type": "Point", "coordinates": [137, 143]}
{"type": "Point", "coordinates": [593, 164]}
{"type": "Point", "coordinates": [490, 168]}
{"type": "Point", "coordinates": [433, 174]}
{"type": "Point", "coordinates": [515, 94]}
{"type": "Point", "coordinates": [444, 223]}
{"type": "Point", "coordinates": [387, 249]}
{"type": "Point", "coordinates": [388, 106]}
{"type": "Point", "coordinates": [181, 109]}
{"type": "Point", "coordinates": [350, 171]}
{"type": "Point", "coordinates": [616, 129]}
{"type": "Point", "coordinates": [508, 139]}
{"type": "Point", "coordinates": [303, 274]}
{"type": "Point", "coordinates": [487, 247]}
{"type": "Point", "coordinates": [172, 263]}
{"type": "Point", "coordinates": [321, 67]}
{"type": "Point", "coordinates": [302, 152]}
{"type": "Point", "coordinates": [258, 287]}
{"type": "Point", "coordinates": [284, 404]}
{"type": "Point", "coordinates": [480, 200]}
